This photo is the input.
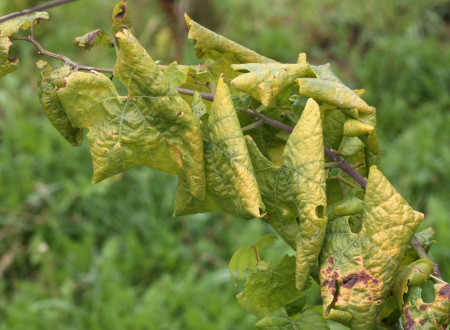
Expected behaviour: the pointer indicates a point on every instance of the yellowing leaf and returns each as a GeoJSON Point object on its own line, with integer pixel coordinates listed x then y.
{"type": "Point", "coordinates": [94, 38]}
{"type": "Point", "coordinates": [151, 126]}
{"type": "Point", "coordinates": [266, 291]}
{"type": "Point", "coordinates": [353, 127]}
{"type": "Point", "coordinates": [231, 182]}
{"type": "Point", "coordinates": [332, 93]}
{"type": "Point", "coordinates": [7, 64]}
{"type": "Point", "coordinates": [294, 193]}
{"type": "Point", "coordinates": [23, 22]}
{"type": "Point", "coordinates": [265, 81]}
{"type": "Point", "coordinates": [305, 154]}
{"type": "Point", "coordinates": [420, 315]}
{"type": "Point", "coordinates": [210, 45]}
{"type": "Point", "coordinates": [52, 105]}
{"type": "Point", "coordinates": [357, 268]}
{"type": "Point", "coordinates": [247, 257]}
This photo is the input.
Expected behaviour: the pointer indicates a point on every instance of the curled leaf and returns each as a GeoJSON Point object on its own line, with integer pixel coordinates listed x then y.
{"type": "Point", "coordinates": [294, 193]}
{"type": "Point", "coordinates": [420, 315]}
{"type": "Point", "coordinates": [52, 106]}
{"type": "Point", "coordinates": [332, 93]}
{"type": "Point", "coordinates": [265, 81]}
{"type": "Point", "coordinates": [121, 18]}
{"type": "Point", "coordinates": [413, 274]}
{"type": "Point", "coordinates": [231, 182]}
{"type": "Point", "coordinates": [358, 264]}
{"type": "Point", "coordinates": [210, 45]}
{"type": "Point", "coordinates": [151, 126]}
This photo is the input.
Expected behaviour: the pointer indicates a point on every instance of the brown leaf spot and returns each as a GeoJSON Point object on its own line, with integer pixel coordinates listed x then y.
{"type": "Point", "coordinates": [97, 140]}
{"type": "Point", "coordinates": [91, 37]}
{"type": "Point", "coordinates": [123, 11]}
{"type": "Point", "coordinates": [351, 280]}
{"type": "Point", "coordinates": [423, 307]}
{"type": "Point", "coordinates": [285, 69]}
{"type": "Point", "coordinates": [179, 113]}
{"type": "Point", "coordinates": [330, 260]}
{"type": "Point", "coordinates": [444, 292]}
{"type": "Point", "coordinates": [409, 320]}
{"type": "Point", "coordinates": [117, 146]}
{"type": "Point", "coordinates": [329, 270]}
{"type": "Point", "coordinates": [105, 150]}
{"type": "Point", "coordinates": [12, 59]}
{"type": "Point", "coordinates": [331, 284]}
{"type": "Point", "coordinates": [422, 321]}
{"type": "Point", "coordinates": [274, 77]}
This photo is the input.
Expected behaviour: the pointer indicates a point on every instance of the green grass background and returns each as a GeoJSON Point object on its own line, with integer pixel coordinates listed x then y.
{"type": "Point", "coordinates": [74, 255]}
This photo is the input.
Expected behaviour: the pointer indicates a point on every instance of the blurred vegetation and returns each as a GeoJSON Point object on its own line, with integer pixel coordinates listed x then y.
{"type": "Point", "coordinates": [110, 256]}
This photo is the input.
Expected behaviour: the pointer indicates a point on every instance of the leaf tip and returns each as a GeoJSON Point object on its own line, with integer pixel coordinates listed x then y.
{"type": "Point", "coordinates": [188, 19]}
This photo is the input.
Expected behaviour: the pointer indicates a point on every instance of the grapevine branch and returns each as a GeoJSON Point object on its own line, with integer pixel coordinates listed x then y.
{"type": "Point", "coordinates": [34, 9]}
{"type": "Point", "coordinates": [337, 160]}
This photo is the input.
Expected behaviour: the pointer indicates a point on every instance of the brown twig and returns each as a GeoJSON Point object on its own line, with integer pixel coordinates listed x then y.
{"type": "Point", "coordinates": [423, 254]}
{"type": "Point", "coordinates": [61, 57]}
{"type": "Point", "coordinates": [34, 9]}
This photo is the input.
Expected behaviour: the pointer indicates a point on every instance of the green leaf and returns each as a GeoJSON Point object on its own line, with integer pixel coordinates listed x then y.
{"type": "Point", "coordinates": [198, 106]}
{"type": "Point", "coordinates": [247, 257]}
{"type": "Point", "coordinates": [413, 274]}
{"type": "Point", "coordinates": [308, 320]}
{"type": "Point", "coordinates": [231, 182]}
{"type": "Point", "coordinates": [351, 146]}
{"type": "Point", "coordinates": [266, 291]}
{"type": "Point", "coordinates": [293, 191]}
{"type": "Point", "coordinates": [151, 126]}
{"type": "Point", "coordinates": [265, 81]}
{"type": "Point", "coordinates": [121, 18]}
{"type": "Point", "coordinates": [357, 268]}
{"type": "Point", "coordinates": [94, 38]}
{"type": "Point", "coordinates": [23, 22]}
{"type": "Point", "coordinates": [332, 93]}
{"type": "Point", "coordinates": [210, 45]}
{"type": "Point", "coordinates": [349, 205]}
{"type": "Point", "coordinates": [420, 315]}
{"type": "Point", "coordinates": [176, 74]}
{"type": "Point", "coordinates": [7, 64]}
{"type": "Point", "coordinates": [52, 106]}
{"type": "Point", "coordinates": [333, 126]}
